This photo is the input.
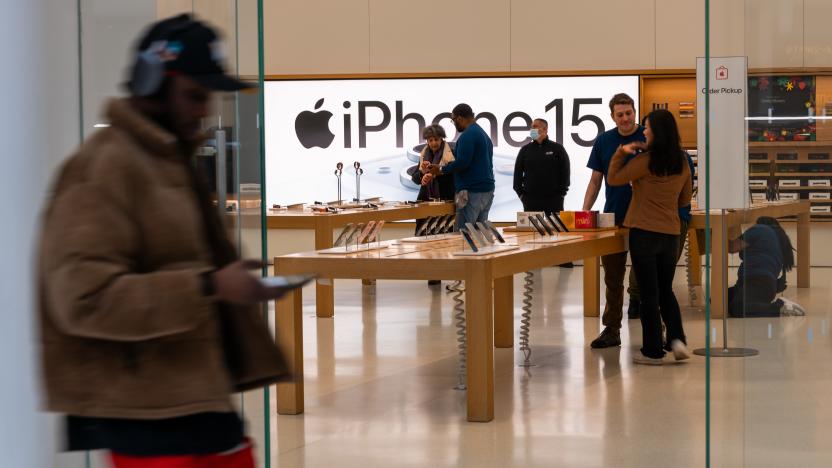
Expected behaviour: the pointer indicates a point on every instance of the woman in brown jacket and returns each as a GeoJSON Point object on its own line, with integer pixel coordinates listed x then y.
{"type": "Point", "coordinates": [661, 184]}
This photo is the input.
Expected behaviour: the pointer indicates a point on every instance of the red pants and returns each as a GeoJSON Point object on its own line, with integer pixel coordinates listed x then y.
{"type": "Point", "coordinates": [243, 458]}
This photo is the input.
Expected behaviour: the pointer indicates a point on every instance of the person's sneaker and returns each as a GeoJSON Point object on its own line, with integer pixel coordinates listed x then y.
{"type": "Point", "coordinates": [608, 338]}
{"type": "Point", "coordinates": [648, 361]}
{"type": "Point", "coordinates": [791, 308]}
{"type": "Point", "coordinates": [680, 351]}
{"type": "Point", "coordinates": [634, 310]}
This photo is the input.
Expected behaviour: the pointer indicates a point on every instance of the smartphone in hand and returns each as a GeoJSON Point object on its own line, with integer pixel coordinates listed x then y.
{"type": "Point", "coordinates": [286, 283]}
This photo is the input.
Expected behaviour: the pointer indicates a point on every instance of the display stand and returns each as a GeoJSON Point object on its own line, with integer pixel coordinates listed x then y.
{"type": "Point", "coordinates": [725, 351]}
{"type": "Point", "coordinates": [429, 239]}
{"type": "Point", "coordinates": [347, 250]}
{"type": "Point", "coordinates": [553, 239]}
{"type": "Point", "coordinates": [491, 249]}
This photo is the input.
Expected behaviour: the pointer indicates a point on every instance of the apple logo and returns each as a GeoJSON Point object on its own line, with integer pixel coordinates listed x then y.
{"type": "Point", "coordinates": [312, 128]}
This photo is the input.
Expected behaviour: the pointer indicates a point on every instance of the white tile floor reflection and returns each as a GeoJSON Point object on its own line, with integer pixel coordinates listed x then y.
{"type": "Point", "coordinates": [380, 378]}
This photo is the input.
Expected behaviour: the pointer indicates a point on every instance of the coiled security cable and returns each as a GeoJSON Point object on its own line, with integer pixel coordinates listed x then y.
{"type": "Point", "coordinates": [688, 260]}
{"type": "Point", "coordinates": [458, 291]}
{"type": "Point", "coordinates": [526, 318]}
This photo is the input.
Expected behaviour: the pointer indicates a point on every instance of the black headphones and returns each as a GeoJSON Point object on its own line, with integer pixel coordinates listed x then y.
{"type": "Point", "coordinates": [148, 71]}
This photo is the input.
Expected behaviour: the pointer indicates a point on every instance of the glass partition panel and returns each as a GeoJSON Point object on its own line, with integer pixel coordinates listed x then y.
{"type": "Point", "coordinates": [769, 362]}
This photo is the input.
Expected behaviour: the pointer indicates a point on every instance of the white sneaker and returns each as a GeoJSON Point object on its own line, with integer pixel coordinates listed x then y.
{"type": "Point", "coordinates": [791, 308]}
{"type": "Point", "coordinates": [680, 351]}
{"type": "Point", "coordinates": [639, 358]}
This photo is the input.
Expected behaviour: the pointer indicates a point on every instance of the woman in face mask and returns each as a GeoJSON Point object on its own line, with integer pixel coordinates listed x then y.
{"type": "Point", "coordinates": [436, 152]}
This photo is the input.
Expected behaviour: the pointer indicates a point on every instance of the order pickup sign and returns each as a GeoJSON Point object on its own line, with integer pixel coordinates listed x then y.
{"type": "Point", "coordinates": [722, 135]}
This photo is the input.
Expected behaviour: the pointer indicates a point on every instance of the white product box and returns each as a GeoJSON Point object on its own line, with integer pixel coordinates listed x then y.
{"type": "Point", "coordinates": [758, 196]}
{"type": "Point", "coordinates": [606, 220]}
{"type": "Point", "coordinates": [790, 182]}
{"type": "Point", "coordinates": [523, 218]}
{"type": "Point", "coordinates": [790, 196]}
{"type": "Point", "coordinates": [819, 183]}
{"type": "Point", "coordinates": [820, 209]}
{"type": "Point", "coordinates": [757, 183]}
{"type": "Point", "coordinates": [819, 196]}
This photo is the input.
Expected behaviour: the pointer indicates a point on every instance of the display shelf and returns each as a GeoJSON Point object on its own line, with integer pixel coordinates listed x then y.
{"type": "Point", "coordinates": [799, 155]}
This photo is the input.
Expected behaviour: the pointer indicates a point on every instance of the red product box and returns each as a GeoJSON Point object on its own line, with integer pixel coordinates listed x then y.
{"type": "Point", "coordinates": [586, 219]}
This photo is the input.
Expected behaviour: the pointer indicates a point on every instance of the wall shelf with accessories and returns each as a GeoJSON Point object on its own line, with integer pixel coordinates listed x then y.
{"type": "Point", "coordinates": [790, 131]}
{"type": "Point", "coordinates": [796, 171]}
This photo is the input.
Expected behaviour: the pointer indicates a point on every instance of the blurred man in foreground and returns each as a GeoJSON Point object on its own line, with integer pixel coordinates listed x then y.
{"type": "Point", "coordinates": [148, 319]}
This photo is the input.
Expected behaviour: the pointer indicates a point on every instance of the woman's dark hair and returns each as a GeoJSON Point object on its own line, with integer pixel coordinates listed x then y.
{"type": "Point", "coordinates": [666, 154]}
{"type": "Point", "coordinates": [785, 244]}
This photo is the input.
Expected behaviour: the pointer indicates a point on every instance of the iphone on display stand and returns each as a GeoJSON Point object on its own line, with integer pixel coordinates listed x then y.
{"type": "Point", "coordinates": [537, 226]}
{"type": "Point", "coordinates": [469, 239]}
{"type": "Point", "coordinates": [358, 228]}
{"type": "Point", "coordinates": [495, 232]}
{"type": "Point", "coordinates": [449, 225]}
{"type": "Point", "coordinates": [553, 223]}
{"type": "Point", "coordinates": [437, 229]}
{"type": "Point", "coordinates": [376, 231]}
{"type": "Point", "coordinates": [560, 222]}
{"type": "Point", "coordinates": [431, 225]}
{"type": "Point", "coordinates": [366, 232]}
{"type": "Point", "coordinates": [421, 230]}
{"type": "Point", "coordinates": [486, 232]}
{"type": "Point", "coordinates": [476, 234]}
{"type": "Point", "coordinates": [344, 235]}
{"type": "Point", "coordinates": [545, 225]}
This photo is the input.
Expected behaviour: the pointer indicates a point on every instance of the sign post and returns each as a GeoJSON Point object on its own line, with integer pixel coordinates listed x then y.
{"type": "Point", "coordinates": [723, 157]}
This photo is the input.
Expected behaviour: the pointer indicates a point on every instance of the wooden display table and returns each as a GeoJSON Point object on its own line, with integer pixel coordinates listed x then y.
{"type": "Point", "coordinates": [734, 220]}
{"type": "Point", "coordinates": [489, 297]}
{"type": "Point", "coordinates": [324, 223]}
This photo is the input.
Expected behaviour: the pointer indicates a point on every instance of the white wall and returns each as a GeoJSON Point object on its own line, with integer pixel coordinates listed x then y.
{"type": "Point", "coordinates": [403, 36]}
{"type": "Point", "coordinates": [37, 41]}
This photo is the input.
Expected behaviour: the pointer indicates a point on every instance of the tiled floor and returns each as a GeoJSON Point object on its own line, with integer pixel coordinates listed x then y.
{"type": "Point", "coordinates": [380, 381]}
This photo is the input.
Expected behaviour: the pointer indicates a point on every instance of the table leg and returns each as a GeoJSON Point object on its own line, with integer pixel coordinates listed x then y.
{"type": "Point", "coordinates": [324, 288]}
{"type": "Point", "coordinates": [719, 277]}
{"type": "Point", "coordinates": [803, 251]}
{"type": "Point", "coordinates": [479, 315]}
{"type": "Point", "coordinates": [592, 287]}
{"type": "Point", "coordinates": [504, 312]}
{"type": "Point", "coordinates": [288, 319]}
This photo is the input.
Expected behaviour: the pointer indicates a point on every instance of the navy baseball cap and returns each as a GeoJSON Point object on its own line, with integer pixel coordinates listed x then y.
{"type": "Point", "coordinates": [192, 48]}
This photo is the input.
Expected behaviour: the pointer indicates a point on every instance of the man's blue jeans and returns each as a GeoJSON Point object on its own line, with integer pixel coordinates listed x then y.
{"type": "Point", "coordinates": [476, 210]}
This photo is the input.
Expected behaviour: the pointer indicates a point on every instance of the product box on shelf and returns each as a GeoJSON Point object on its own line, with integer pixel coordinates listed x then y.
{"type": "Point", "coordinates": [790, 182]}
{"type": "Point", "coordinates": [790, 196]}
{"type": "Point", "coordinates": [523, 218]}
{"type": "Point", "coordinates": [568, 218]}
{"type": "Point", "coordinates": [819, 183]}
{"type": "Point", "coordinates": [821, 209]}
{"type": "Point", "coordinates": [819, 196]}
{"type": "Point", "coordinates": [586, 219]}
{"type": "Point", "coordinates": [606, 220]}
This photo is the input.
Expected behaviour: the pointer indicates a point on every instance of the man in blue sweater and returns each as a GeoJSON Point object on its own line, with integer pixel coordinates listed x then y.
{"type": "Point", "coordinates": [472, 169]}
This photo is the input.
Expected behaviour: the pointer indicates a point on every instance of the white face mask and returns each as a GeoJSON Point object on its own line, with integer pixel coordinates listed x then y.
{"type": "Point", "coordinates": [534, 134]}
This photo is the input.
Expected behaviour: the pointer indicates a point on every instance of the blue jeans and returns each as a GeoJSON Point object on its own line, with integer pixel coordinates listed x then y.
{"type": "Point", "coordinates": [476, 210]}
